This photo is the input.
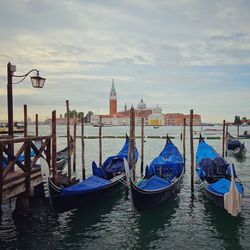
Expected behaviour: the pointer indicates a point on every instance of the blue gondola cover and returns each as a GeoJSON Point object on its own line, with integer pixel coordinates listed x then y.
{"type": "Point", "coordinates": [214, 172]}
{"type": "Point", "coordinates": [90, 184]}
{"type": "Point", "coordinates": [114, 164]}
{"type": "Point", "coordinates": [168, 164]}
{"type": "Point", "coordinates": [222, 186]}
{"type": "Point", "coordinates": [205, 151]}
{"type": "Point", "coordinates": [154, 183]}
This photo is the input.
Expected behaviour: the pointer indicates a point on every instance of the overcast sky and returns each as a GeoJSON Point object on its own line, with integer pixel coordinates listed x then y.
{"type": "Point", "coordinates": [180, 54]}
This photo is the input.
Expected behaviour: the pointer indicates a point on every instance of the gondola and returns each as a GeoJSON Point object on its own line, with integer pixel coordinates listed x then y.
{"type": "Point", "coordinates": [235, 147]}
{"type": "Point", "coordinates": [62, 155]}
{"type": "Point", "coordinates": [246, 135]}
{"type": "Point", "coordinates": [162, 178]}
{"type": "Point", "coordinates": [102, 183]}
{"type": "Point", "coordinates": [215, 175]}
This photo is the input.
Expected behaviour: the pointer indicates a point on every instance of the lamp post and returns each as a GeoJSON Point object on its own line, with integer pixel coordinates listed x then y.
{"type": "Point", "coordinates": [37, 82]}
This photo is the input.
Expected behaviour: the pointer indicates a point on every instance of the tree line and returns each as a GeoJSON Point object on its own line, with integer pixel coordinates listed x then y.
{"type": "Point", "coordinates": [72, 113]}
{"type": "Point", "coordinates": [238, 121]}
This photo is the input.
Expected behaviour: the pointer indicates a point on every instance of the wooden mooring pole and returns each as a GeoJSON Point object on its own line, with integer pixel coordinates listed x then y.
{"type": "Point", "coordinates": [142, 145]}
{"type": "Point", "coordinates": [1, 176]}
{"type": "Point", "coordinates": [223, 139]}
{"type": "Point", "coordinates": [74, 153]}
{"type": "Point", "coordinates": [184, 141]}
{"type": "Point", "coordinates": [68, 142]}
{"type": "Point", "coordinates": [53, 137]}
{"type": "Point", "coordinates": [132, 141]}
{"type": "Point", "coordinates": [192, 151]}
{"type": "Point", "coordinates": [238, 131]}
{"type": "Point", "coordinates": [22, 200]}
{"type": "Point", "coordinates": [226, 137]}
{"type": "Point", "coordinates": [25, 120]}
{"type": "Point", "coordinates": [100, 140]}
{"type": "Point", "coordinates": [83, 147]}
{"type": "Point", "coordinates": [37, 131]}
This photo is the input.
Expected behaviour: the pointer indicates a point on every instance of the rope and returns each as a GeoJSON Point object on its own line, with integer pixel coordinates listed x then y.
{"type": "Point", "coordinates": [123, 182]}
{"type": "Point", "coordinates": [198, 188]}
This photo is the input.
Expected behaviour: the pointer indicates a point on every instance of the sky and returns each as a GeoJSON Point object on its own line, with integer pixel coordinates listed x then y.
{"type": "Point", "coordinates": [181, 55]}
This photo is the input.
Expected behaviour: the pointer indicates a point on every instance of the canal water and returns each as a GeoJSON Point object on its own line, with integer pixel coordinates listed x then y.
{"type": "Point", "coordinates": [181, 223]}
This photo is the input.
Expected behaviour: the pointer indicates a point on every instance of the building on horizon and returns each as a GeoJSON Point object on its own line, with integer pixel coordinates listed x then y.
{"type": "Point", "coordinates": [112, 100]}
{"type": "Point", "coordinates": [152, 116]}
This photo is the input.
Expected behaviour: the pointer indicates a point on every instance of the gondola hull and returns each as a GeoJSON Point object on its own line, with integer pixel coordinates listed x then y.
{"type": "Point", "coordinates": [217, 199]}
{"type": "Point", "coordinates": [62, 203]}
{"type": "Point", "coordinates": [238, 152]}
{"type": "Point", "coordinates": [61, 164]}
{"type": "Point", "coordinates": [144, 199]}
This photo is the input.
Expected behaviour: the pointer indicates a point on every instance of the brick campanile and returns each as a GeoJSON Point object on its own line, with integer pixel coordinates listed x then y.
{"type": "Point", "coordinates": [112, 100]}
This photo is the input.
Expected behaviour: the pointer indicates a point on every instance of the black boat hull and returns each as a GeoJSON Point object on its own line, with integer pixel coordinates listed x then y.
{"type": "Point", "coordinates": [218, 200]}
{"type": "Point", "coordinates": [61, 164]}
{"type": "Point", "coordinates": [144, 199]}
{"type": "Point", "coordinates": [62, 203]}
{"type": "Point", "coordinates": [239, 153]}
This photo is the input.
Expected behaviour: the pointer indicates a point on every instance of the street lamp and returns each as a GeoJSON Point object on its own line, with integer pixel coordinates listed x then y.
{"type": "Point", "coordinates": [37, 82]}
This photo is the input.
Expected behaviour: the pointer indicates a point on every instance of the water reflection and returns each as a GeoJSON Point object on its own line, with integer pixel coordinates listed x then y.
{"type": "Point", "coordinates": [229, 229]}
{"type": "Point", "coordinates": [82, 226]}
{"type": "Point", "coordinates": [153, 223]}
{"type": "Point", "coordinates": [182, 223]}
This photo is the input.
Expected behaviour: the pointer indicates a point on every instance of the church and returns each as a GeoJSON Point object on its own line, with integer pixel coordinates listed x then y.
{"type": "Point", "coordinates": [152, 116]}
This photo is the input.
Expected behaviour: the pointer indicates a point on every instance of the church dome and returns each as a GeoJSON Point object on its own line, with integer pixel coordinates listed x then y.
{"type": "Point", "coordinates": [141, 105]}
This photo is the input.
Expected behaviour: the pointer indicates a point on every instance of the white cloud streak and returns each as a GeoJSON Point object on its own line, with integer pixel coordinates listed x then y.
{"type": "Point", "coordinates": [173, 50]}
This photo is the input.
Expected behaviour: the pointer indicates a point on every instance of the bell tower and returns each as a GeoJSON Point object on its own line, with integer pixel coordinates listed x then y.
{"type": "Point", "coordinates": [112, 100]}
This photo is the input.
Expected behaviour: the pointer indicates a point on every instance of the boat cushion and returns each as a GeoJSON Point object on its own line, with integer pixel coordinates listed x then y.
{"type": "Point", "coordinates": [154, 183]}
{"type": "Point", "coordinates": [90, 184]}
{"type": "Point", "coordinates": [222, 186]}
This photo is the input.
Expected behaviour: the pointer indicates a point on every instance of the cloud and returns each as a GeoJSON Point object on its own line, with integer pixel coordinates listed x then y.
{"type": "Point", "coordinates": [161, 50]}
{"type": "Point", "coordinates": [18, 92]}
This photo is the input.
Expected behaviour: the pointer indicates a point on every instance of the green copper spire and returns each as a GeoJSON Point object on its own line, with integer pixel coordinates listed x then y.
{"type": "Point", "coordinates": [113, 85]}
{"type": "Point", "coordinates": [113, 92]}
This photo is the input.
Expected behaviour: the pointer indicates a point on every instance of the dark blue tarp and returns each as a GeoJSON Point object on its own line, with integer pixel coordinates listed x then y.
{"type": "Point", "coordinates": [5, 162]}
{"type": "Point", "coordinates": [20, 158]}
{"type": "Point", "coordinates": [168, 164]}
{"type": "Point", "coordinates": [229, 170]}
{"type": "Point", "coordinates": [233, 144]}
{"type": "Point", "coordinates": [222, 186]}
{"type": "Point", "coordinates": [209, 162]}
{"type": "Point", "coordinates": [97, 171]}
{"type": "Point", "coordinates": [113, 164]}
{"type": "Point", "coordinates": [209, 167]}
{"type": "Point", "coordinates": [154, 183]}
{"type": "Point", "coordinates": [90, 184]}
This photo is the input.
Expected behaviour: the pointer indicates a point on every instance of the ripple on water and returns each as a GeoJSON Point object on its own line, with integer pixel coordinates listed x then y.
{"type": "Point", "coordinates": [181, 223]}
